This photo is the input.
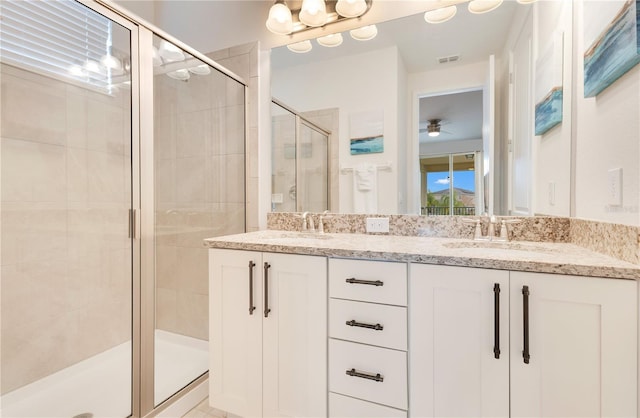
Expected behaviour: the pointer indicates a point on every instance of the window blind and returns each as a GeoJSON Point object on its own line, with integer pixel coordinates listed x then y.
{"type": "Point", "coordinates": [56, 37]}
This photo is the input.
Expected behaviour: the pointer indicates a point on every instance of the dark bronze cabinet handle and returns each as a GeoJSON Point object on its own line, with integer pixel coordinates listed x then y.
{"type": "Point", "coordinates": [353, 280]}
{"type": "Point", "coordinates": [496, 320]}
{"type": "Point", "coordinates": [367, 376]}
{"type": "Point", "coordinates": [267, 266]}
{"type": "Point", "coordinates": [525, 318]}
{"type": "Point", "coordinates": [251, 307]}
{"type": "Point", "coordinates": [376, 327]}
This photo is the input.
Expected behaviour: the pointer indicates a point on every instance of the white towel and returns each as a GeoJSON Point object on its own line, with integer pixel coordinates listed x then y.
{"type": "Point", "coordinates": [365, 188]}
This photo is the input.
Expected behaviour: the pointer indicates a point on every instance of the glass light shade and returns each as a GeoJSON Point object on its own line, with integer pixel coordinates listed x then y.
{"type": "Point", "coordinates": [113, 64]}
{"type": "Point", "coordinates": [169, 52]}
{"type": "Point", "coordinates": [300, 47]}
{"type": "Point", "coordinates": [181, 74]}
{"type": "Point", "coordinates": [280, 20]}
{"type": "Point", "coordinates": [526, 1]}
{"type": "Point", "coordinates": [440, 15]}
{"type": "Point", "coordinates": [202, 69]}
{"type": "Point", "coordinates": [434, 133]}
{"type": "Point", "coordinates": [364, 33]}
{"type": "Point", "coordinates": [157, 60]}
{"type": "Point", "coordinates": [483, 6]}
{"type": "Point", "coordinates": [313, 13]}
{"type": "Point", "coordinates": [335, 39]}
{"type": "Point", "coordinates": [351, 8]}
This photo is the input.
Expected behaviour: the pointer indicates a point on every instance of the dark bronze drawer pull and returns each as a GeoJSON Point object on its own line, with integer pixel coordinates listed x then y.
{"type": "Point", "coordinates": [376, 327]}
{"type": "Point", "coordinates": [526, 356]}
{"type": "Point", "coordinates": [251, 307]}
{"type": "Point", "coordinates": [368, 376]}
{"type": "Point", "coordinates": [353, 280]}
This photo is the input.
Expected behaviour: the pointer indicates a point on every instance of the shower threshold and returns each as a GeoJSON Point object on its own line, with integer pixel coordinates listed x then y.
{"type": "Point", "coordinates": [101, 385]}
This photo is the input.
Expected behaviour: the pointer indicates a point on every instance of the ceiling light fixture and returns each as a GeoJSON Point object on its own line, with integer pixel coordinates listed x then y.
{"type": "Point", "coordinates": [483, 6]}
{"type": "Point", "coordinates": [300, 47]}
{"type": "Point", "coordinates": [330, 41]}
{"type": "Point", "coordinates": [434, 127]}
{"type": "Point", "coordinates": [440, 15]}
{"type": "Point", "coordinates": [364, 33]}
{"type": "Point", "coordinates": [314, 13]}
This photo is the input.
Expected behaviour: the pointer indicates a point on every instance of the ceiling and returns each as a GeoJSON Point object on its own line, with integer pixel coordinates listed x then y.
{"type": "Point", "coordinates": [460, 114]}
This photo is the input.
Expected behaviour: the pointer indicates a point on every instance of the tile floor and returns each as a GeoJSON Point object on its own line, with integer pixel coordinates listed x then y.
{"type": "Point", "coordinates": [203, 410]}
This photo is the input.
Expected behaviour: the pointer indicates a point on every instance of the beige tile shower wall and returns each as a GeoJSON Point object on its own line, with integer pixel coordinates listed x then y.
{"type": "Point", "coordinates": [200, 171]}
{"type": "Point", "coordinates": [243, 60]}
{"type": "Point", "coordinates": [66, 258]}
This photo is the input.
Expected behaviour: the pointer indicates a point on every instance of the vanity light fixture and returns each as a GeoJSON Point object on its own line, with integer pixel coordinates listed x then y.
{"type": "Point", "coordinates": [330, 41]}
{"type": "Point", "coordinates": [351, 8]}
{"type": "Point", "coordinates": [300, 47]}
{"type": "Point", "coordinates": [483, 6]}
{"type": "Point", "coordinates": [364, 33]}
{"type": "Point", "coordinates": [314, 13]}
{"type": "Point", "coordinates": [280, 20]}
{"type": "Point", "coordinates": [440, 15]}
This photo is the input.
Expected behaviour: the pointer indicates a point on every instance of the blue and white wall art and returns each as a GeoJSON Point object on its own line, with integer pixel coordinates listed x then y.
{"type": "Point", "coordinates": [548, 90]}
{"type": "Point", "coordinates": [612, 41]}
{"type": "Point", "coordinates": [366, 131]}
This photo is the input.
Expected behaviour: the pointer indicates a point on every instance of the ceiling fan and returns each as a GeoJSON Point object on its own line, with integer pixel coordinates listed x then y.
{"type": "Point", "coordinates": [433, 128]}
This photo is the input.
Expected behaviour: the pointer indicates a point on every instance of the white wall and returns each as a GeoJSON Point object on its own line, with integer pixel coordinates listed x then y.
{"type": "Point", "coordinates": [351, 79]}
{"type": "Point", "coordinates": [552, 151]}
{"type": "Point", "coordinates": [607, 132]}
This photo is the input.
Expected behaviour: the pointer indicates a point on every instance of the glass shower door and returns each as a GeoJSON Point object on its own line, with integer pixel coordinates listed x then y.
{"type": "Point", "coordinates": [199, 159]}
{"type": "Point", "coordinates": [66, 175]}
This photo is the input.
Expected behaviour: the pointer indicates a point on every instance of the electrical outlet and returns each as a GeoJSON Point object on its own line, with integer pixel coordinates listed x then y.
{"type": "Point", "coordinates": [614, 187]}
{"type": "Point", "coordinates": [377, 224]}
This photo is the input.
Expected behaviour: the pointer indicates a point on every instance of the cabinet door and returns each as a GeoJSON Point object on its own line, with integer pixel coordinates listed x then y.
{"type": "Point", "coordinates": [295, 336]}
{"type": "Point", "coordinates": [235, 334]}
{"type": "Point", "coordinates": [582, 335]}
{"type": "Point", "coordinates": [454, 371]}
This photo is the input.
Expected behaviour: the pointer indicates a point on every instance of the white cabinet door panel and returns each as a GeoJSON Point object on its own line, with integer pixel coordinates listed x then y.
{"type": "Point", "coordinates": [454, 372]}
{"type": "Point", "coordinates": [235, 367]}
{"type": "Point", "coordinates": [582, 346]}
{"type": "Point", "coordinates": [295, 337]}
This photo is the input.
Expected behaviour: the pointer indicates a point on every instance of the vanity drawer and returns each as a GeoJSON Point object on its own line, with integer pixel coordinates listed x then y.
{"type": "Point", "coordinates": [392, 320]}
{"type": "Point", "coordinates": [341, 406]}
{"type": "Point", "coordinates": [391, 365]}
{"type": "Point", "coordinates": [369, 281]}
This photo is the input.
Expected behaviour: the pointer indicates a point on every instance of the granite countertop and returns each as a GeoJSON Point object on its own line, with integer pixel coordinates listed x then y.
{"type": "Point", "coordinates": [543, 257]}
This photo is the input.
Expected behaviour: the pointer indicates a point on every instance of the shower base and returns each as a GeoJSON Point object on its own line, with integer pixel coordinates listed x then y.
{"type": "Point", "coordinates": [101, 385]}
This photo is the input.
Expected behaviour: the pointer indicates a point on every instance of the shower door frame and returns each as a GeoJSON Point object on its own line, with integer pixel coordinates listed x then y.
{"type": "Point", "coordinates": [142, 188]}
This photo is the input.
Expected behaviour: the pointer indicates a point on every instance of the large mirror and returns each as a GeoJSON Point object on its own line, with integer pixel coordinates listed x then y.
{"type": "Point", "coordinates": [441, 114]}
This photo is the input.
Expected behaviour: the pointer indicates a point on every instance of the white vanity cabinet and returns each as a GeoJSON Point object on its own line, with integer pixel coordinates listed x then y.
{"type": "Point", "coordinates": [268, 334]}
{"type": "Point", "coordinates": [368, 339]}
{"type": "Point", "coordinates": [459, 342]}
{"type": "Point", "coordinates": [577, 334]}
{"type": "Point", "coordinates": [582, 346]}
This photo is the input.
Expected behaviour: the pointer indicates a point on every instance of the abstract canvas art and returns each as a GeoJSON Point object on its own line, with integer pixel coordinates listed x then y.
{"type": "Point", "coordinates": [366, 132]}
{"type": "Point", "coordinates": [612, 41]}
{"type": "Point", "coordinates": [548, 91]}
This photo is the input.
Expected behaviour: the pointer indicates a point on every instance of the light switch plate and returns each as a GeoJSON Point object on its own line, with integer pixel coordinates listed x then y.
{"type": "Point", "coordinates": [614, 187]}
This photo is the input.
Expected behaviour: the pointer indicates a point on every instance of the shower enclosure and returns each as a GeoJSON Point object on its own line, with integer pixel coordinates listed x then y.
{"type": "Point", "coordinates": [300, 179]}
{"type": "Point", "coordinates": [120, 150]}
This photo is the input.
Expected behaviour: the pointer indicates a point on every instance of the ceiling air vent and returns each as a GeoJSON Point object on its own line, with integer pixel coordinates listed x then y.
{"type": "Point", "coordinates": [451, 58]}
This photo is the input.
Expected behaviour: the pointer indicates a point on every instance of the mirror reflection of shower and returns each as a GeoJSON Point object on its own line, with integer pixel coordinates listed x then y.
{"type": "Point", "coordinates": [300, 163]}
